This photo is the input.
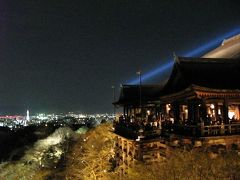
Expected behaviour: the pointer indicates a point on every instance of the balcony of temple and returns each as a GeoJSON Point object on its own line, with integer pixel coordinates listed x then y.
{"type": "Point", "coordinates": [139, 123]}
{"type": "Point", "coordinates": [215, 114]}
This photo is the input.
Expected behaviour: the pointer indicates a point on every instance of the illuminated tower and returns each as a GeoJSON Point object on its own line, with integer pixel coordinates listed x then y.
{"type": "Point", "coordinates": [27, 117]}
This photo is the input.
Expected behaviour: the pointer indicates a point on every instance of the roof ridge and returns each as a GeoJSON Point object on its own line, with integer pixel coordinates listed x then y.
{"type": "Point", "coordinates": [206, 60]}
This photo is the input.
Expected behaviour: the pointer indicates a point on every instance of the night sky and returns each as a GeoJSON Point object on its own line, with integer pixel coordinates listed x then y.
{"type": "Point", "coordinates": [59, 56]}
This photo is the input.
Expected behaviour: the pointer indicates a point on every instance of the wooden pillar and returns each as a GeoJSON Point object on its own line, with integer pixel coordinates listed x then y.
{"type": "Point", "coordinates": [176, 112]}
{"type": "Point", "coordinates": [202, 128]}
{"type": "Point", "coordinates": [191, 117]}
{"type": "Point", "coordinates": [139, 148]}
{"type": "Point", "coordinates": [202, 116]}
{"type": "Point", "coordinates": [203, 110]}
{"type": "Point", "coordinates": [216, 111]}
{"type": "Point", "coordinates": [225, 112]}
{"type": "Point", "coordinates": [155, 110]}
{"type": "Point", "coordinates": [196, 111]}
{"type": "Point", "coordinates": [124, 111]}
{"type": "Point", "coordinates": [127, 112]}
{"type": "Point", "coordinates": [130, 111]}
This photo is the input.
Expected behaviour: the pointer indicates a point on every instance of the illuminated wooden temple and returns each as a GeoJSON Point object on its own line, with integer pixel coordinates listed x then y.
{"type": "Point", "coordinates": [197, 107]}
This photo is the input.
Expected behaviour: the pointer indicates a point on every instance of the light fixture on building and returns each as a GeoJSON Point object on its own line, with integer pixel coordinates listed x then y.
{"type": "Point", "coordinates": [148, 112]}
{"type": "Point", "coordinates": [212, 106]}
{"type": "Point", "coordinates": [168, 107]}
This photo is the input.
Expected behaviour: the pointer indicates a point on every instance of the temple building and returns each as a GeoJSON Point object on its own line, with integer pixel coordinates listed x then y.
{"type": "Point", "coordinates": [198, 107]}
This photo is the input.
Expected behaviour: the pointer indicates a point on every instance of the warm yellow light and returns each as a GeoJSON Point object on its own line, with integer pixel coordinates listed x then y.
{"type": "Point", "coordinates": [168, 107]}
{"type": "Point", "coordinates": [148, 112]}
{"type": "Point", "coordinates": [212, 106]}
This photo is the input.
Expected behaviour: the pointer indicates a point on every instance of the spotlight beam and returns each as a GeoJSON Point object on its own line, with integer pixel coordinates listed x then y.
{"type": "Point", "coordinates": [153, 73]}
{"type": "Point", "coordinates": [199, 51]}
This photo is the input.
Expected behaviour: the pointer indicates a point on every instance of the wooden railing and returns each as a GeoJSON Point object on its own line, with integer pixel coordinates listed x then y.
{"type": "Point", "coordinates": [136, 133]}
{"type": "Point", "coordinates": [199, 130]}
{"type": "Point", "coordinates": [210, 130]}
{"type": "Point", "coordinates": [224, 129]}
{"type": "Point", "coordinates": [190, 130]}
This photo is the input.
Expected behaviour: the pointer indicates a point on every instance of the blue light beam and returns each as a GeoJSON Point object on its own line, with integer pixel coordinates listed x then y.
{"type": "Point", "coordinates": [212, 44]}
{"type": "Point", "coordinates": [154, 72]}
{"type": "Point", "coordinates": [199, 51]}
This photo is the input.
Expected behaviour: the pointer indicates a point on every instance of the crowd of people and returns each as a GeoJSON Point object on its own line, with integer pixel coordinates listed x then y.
{"type": "Point", "coordinates": [148, 123]}
{"type": "Point", "coordinates": [144, 123]}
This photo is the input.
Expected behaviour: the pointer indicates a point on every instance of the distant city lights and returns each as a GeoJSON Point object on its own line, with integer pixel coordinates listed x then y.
{"type": "Point", "coordinates": [17, 121]}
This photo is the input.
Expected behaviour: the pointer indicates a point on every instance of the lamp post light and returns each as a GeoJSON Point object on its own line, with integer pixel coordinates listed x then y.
{"type": "Point", "coordinates": [140, 91]}
{"type": "Point", "coordinates": [114, 98]}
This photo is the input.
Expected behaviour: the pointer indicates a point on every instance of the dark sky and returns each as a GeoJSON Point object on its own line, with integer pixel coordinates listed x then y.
{"type": "Point", "coordinates": [60, 55]}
